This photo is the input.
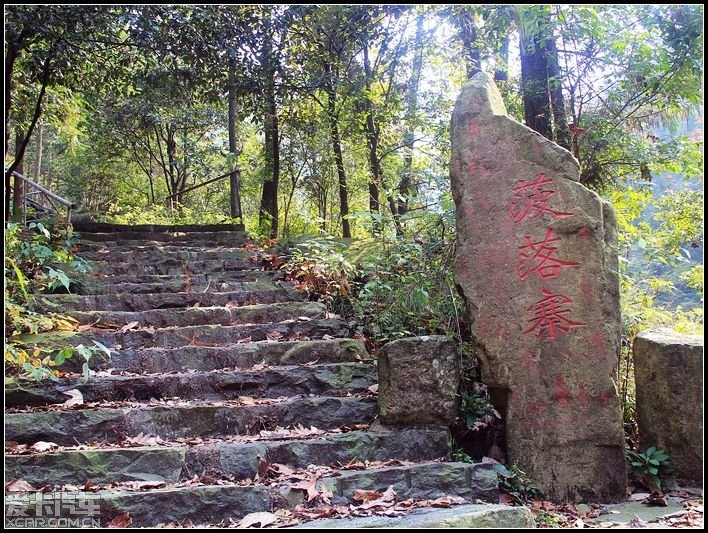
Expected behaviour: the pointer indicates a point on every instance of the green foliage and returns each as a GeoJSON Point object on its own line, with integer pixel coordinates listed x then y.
{"type": "Point", "coordinates": [476, 409]}
{"type": "Point", "coordinates": [33, 264]}
{"type": "Point", "coordinates": [515, 482]}
{"type": "Point", "coordinates": [650, 466]}
{"type": "Point", "coordinates": [457, 454]}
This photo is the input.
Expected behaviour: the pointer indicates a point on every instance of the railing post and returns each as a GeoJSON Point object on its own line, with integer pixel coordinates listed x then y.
{"type": "Point", "coordinates": [235, 194]}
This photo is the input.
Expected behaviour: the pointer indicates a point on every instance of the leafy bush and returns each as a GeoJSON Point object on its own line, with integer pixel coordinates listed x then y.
{"type": "Point", "coordinates": [649, 466]}
{"type": "Point", "coordinates": [35, 262]}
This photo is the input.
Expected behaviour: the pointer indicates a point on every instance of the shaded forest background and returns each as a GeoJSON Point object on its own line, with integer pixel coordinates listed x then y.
{"type": "Point", "coordinates": [333, 120]}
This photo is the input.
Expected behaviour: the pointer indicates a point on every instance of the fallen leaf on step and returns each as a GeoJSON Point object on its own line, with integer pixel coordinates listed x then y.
{"type": "Point", "coordinates": [636, 522]}
{"type": "Point", "coordinates": [262, 469]}
{"type": "Point", "coordinates": [129, 326]}
{"type": "Point", "coordinates": [42, 446]}
{"type": "Point", "coordinates": [446, 501]}
{"type": "Point", "coordinates": [246, 400]}
{"type": "Point", "coordinates": [75, 398]}
{"type": "Point", "coordinates": [260, 519]}
{"type": "Point", "coordinates": [365, 495]}
{"type": "Point", "coordinates": [121, 521]}
{"type": "Point", "coordinates": [19, 485]}
{"type": "Point", "coordinates": [387, 499]}
{"type": "Point", "coordinates": [274, 335]}
{"type": "Point", "coordinates": [231, 304]}
{"type": "Point", "coordinates": [304, 318]}
{"type": "Point", "coordinates": [656, 500]}
{"type": "Point", "coordinates": [374, 388]}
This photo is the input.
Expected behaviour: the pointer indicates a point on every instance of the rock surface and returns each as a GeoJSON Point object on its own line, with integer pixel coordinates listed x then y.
{"type": "Point", "coordinates": [537, 265]}
{"type": "Point", "coordinates": [418, 381]}
{"type": "Point", "coordinates": [668, 369]}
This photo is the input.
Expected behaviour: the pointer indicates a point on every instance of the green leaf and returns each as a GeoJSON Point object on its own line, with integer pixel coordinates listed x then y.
{"type": "Point", "coordinates": [503, 471]}
{"type": "Point", "coordinates": [650, 451]}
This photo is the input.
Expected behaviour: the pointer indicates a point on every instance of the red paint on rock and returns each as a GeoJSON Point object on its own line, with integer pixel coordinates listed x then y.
{"type": "Point", "coordinates": [597, 341]}
{"type": "Point", "coordinates": [531, 199]}
{"type": "Point", "coordinates": [550, 316]}
{"type": "Point", "coordinates": [561, 392]}
{"type": "Point", "coordinates": [584, 233]}
{"type": "Point", "coordinates": [540, 257]}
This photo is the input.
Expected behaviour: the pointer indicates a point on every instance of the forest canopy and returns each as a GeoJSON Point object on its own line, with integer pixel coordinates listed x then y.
{"type": "Point", "coordinates": [329, 119]}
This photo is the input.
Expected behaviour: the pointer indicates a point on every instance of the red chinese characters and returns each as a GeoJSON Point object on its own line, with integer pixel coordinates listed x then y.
{"type": "Point", "coordinates": [550, 313]}
{"type": "Point", "coordinates": [550, 316]}
{"type": "Point", "coordinates": [540, 257]}
{"type": "Point", "coordinates": [531, 200]}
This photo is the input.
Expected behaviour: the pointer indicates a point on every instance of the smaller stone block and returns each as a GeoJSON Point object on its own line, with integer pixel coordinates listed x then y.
{"type": "Point", "coordinates": [668, 370]}
{"type": "Point", "coordinates": [418, 381]}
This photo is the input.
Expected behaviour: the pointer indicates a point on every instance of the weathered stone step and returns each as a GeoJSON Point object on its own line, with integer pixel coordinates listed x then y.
{"type": "Point", "coordinates": [159, 246]}
{"type": "Point", "coordinates": [226, 316]}
{"type": "Point", "coordinates": [199, 504]}
{"type": "Point", "coordinates": [270, 382]}
{"type": "Point", "coordinates": [148, 256]}
{"type": "Point", "coordinates": [217, 503]}
{"type": "Point", "coordinates": [89, 228]}
{"type": "Point", "coordinates": [233, 280]}
{"type": "Point", "coordinates": [60, 303]}
{"type": "Point", "coordinates": [203, 336]}
{"type": "Point", "coordinates": [227, 238]}
{"type": "Point", "coordinates": [467, 516]}
{"type": "Point", "coordinates": [183, 419]}
{"type": "Point", "coordinates": [175, 266]}
{"type": "Point", "coordinates": [156, 360]}
{"type": "Point", "coordinates": [239, 460]}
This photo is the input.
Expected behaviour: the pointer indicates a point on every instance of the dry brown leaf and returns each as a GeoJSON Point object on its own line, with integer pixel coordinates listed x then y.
{"type": "Point", "coordinates": [387, 499]}
{"type": "Point", "coordinates": [374, 388]}
{"type": "Point", "coordinates": [304, 318]}
{"type": "Point", "coordinates": [42, 446]}
{"type": "Point", "coordinates": [274, 335]}
{"type": "Point", "coordinates": [129, 326]}
{"type": "Point", "coordinates": [75, 398]}
{"type": "Point", "coordinates": [231, 304]}
{"type": "Point", "coordinates": [121, 521]}
{"type": "Point", "coordinates": [506, 499]}
{"type": "Point", "coordinates": [447, 501]}
{"type": "Point", "coordinates": [262, 469]}
{"type": "Point", "coordinates": [90, 486]}
{"type": "Point", "coordinates": [246, 400]}
{"type": "Point", "coordinates": [19, 485]}
{"type": "Point", "coordinates": [656, 500]}
{"type": "Point", "coordinates": [365, 495]}
{"type": "Point", "coordinates": [261, 518]}
{"type": "Point", "coordinates": [282, 470]}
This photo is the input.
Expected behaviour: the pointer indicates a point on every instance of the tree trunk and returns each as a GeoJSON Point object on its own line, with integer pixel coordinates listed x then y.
{"type": "Point", "coordinates": [339, 160]}
{"type": "Point", "coordinates": [468, 33]}
{"type": "Point", "coordinates": [235, 174]}
{"type": "Point", "coordinates": [371, 138]}
{"type": "Point", "coordinates": [534, 78]}
{"type": "Point", "coordinates": [38, 159]}
{"type": "Point", "coordinates": [501, 72]}
{"type": "Point", "coordinates": [268, 217]}
{"type": "Point", "coordinates": [561, 133]}
{"type": "Point", "coordinates": [18, 192]}
{"type": "Point", "coordinates": [406, 183]}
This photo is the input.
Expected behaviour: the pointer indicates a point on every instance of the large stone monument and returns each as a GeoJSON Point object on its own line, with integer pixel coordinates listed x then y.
{"type": "Point", "coordinates": [537, 265]}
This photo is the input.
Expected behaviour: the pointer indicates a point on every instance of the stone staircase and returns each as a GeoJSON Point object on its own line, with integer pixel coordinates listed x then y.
{"type": "Point", "coordinates": [226, 393]}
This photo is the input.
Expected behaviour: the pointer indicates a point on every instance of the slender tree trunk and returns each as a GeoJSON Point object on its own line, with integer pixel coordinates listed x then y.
{"type": "Point", "coordinates": [534, 80]}
{"type": "Point", "coordinates": [501, 72]}
{"type": "Point", "coordinates": [38, 159]}
{"type": "Point", "coordinates": [268, 218]}
{"type": "Point", "coordinates": [406, 183]}
{"type": "Point", "coordinates": [561, 133]}
{"type": "Point", "coordinates": [468, 33]}
{"type": "Point", "coordinates": [18, 193]}
{"type": "Point", "coordinates": [371, 138]}
{"type": "Point", "coordinates": [234, 178]}
{"type": "Point", "coordinates": [338, 158]}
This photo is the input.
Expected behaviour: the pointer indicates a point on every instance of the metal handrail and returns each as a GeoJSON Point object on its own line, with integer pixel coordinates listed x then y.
{"type": "Point", "coordinates": [172, 196]}
{"type": "Point", "coordinates": [49, 194]}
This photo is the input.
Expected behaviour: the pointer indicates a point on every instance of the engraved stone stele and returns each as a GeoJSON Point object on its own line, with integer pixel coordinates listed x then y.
{"type": "Point", "coordinates": [668, 370]}
{"type": "Point", "coordinates": [418, 381]}
{"type": "Point", "coordinates": [537, 265]}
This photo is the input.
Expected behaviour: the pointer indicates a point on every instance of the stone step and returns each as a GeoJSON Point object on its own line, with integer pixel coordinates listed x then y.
{"type": "Point", "coordinates": [84, 246]}
{"type": "Point", "coordinates": [61, 303]}
{"type": "Point", "coordinates": [206, 238]}
{"type": "Point", "coordinates": [171, 419]}
{"type": "Point", "coordinates": [239, 460]}
{"type": "Point", "coordinates": [469, 516]}
{"type": "Point", "coordinates": [192, 316]}
{"type": "Point", "coordinates": [204, 358]}
{"type": "Point", "coordinates": [175, 266]}
{"type": "Point", "coordinates": [145, 255]}
{"type": "Point", "coordinates": [89, 228]}
{"type": "Point", "coordinates": [233, 280]}
{"type": "Point", "coordinates": [203, 336]}
{"type": "Point", "coordinates": [205, 504]}
{"type": "Point", "coordinates": [270, 382]}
